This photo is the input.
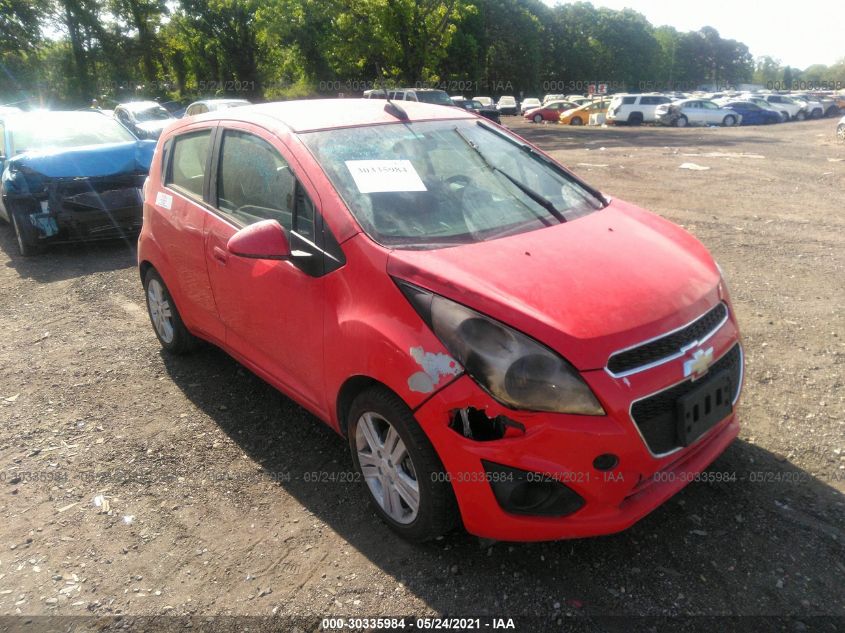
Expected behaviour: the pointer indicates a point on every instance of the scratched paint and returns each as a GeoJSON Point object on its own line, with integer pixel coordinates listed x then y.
{"type": "Point", "coordinates": [434, 367]}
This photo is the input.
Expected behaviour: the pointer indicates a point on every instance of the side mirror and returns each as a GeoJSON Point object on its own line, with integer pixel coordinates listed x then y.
{"type": "Point", "coordinates": [262, 240]}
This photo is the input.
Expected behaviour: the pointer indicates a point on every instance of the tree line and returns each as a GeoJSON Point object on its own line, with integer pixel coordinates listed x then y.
{"type": "Point", "coordinates": [67, 52]}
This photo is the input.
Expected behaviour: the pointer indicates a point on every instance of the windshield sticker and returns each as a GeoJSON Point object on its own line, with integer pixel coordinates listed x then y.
{"type": "Point", "coordinates": [383, 176]}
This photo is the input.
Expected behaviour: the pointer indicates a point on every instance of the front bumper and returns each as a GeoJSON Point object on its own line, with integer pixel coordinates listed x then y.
{"type": "Point", "coordinates": [85, 209]}
{"type": "Point", "coordinates": [563, 448]}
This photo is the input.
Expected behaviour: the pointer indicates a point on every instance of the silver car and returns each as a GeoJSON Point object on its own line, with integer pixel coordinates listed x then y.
{"type": "Point", "coordinates": [840, 129]}
{"type": "Point", "coordinates": [695, 112]}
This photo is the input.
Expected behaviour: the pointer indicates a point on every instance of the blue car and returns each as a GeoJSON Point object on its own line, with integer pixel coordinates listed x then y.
{"type": "Point", "coordinates": [70, 176]}
{"type": "Point", "coordinates": [752, 114]}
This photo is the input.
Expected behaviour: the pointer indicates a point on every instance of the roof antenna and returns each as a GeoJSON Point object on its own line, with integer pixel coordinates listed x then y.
{"type": "Point", "coordinates": [391, 108]}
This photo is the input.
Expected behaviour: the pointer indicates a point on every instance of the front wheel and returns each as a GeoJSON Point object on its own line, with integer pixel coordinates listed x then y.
{"type": "Point", "coordinates": [840, 131]}
{"type": "Point", "coordinates": [729, 121]}
{"type": "Point", "coordinates": [402, 473]}
{"type": "Point", "coordinates": [681, 121]}
{"type": "Point", "coordinates": [801, 116]}
{"type": "Point", "coordinates": [167, 323]}
{"type": "Point", "coordinates": [25, 233]}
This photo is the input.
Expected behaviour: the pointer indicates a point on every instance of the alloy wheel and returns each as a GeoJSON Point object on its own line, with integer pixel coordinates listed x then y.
{"type": "Point", "coordinates": [160, 311]}
{"type": "Point", "coordinates": [387, 467]}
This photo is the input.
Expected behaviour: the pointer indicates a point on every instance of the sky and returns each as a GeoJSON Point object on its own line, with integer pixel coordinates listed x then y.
{"type": "Point", "coordinates": [798, 33]}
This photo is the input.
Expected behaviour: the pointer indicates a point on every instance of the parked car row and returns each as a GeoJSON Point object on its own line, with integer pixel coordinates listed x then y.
{"type": "Point", "coordinates": [680, 110]}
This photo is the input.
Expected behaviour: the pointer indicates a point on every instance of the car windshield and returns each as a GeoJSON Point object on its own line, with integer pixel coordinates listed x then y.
{"type": "Point", "coordinates": [156, 113]}
{"type": "Point", "coordinates": [442, 183]}
{"type": "Point", "coordinates": [436, 97]}
{"type": "Point", "coordinates": [62, 130]}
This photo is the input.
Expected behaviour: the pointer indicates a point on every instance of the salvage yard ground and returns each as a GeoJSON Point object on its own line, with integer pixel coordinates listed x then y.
{"type": "Point", "coordinates": [223, 497]}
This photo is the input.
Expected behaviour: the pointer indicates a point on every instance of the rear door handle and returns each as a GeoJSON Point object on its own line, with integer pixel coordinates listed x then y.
{"type": "Point", "coordinates": [220, 255]}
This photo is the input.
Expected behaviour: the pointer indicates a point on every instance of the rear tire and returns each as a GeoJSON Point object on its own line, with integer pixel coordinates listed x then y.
{"type": "Point", "coordinates": [729, 121]}
{"type": "Point", "coordinates": [412, 495]}
{"type": "Point", "coordinates": [538, 118]}
{"type": "Point", "coordinates": [635, 118]}
{"type": "Point", "coordinates": [26, 234]}
{"type": "Point", "coordinates": [576, 121]}
{"type": "Point", "coordinates": [801, 116]}
{"type": "Point", "coordinates": [165, 318]}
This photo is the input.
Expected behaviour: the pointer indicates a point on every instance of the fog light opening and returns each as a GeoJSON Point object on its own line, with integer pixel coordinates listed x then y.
{"type": "Point", "coordinates": [606, 461]}
{"type": "Point", "coordinates": [474, 424]}
{"type": "Point", "coordinates": [528, 493]}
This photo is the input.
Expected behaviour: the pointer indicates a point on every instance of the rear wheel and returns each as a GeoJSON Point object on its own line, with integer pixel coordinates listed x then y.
{"type": "Point", "coordinates": [840, 131]}
{"type": "Point", "coordinates": [538, 118]}
{"type": "Point", "coordinates": [576, 121]}
{"type": "Point", "coordinates": [784, 116]}
{"type": "Point", "coordinates": [402, 473]}
{"type": "Point", "coordinates": [729, 121]}
{"type": "Point", "coordinates": [635, 118]}
{"type": "Point", "coordinates": [167, 323]}
{"type": "Point", "coordinates": [26, 234]}
{"type": "Point", "coordinates": [801, 116]}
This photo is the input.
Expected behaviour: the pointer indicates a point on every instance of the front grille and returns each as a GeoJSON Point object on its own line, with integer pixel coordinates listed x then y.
{"type": "Point", "coordinates": [655, 416]}
{"type": "Point", "coordinates": [669, 345]}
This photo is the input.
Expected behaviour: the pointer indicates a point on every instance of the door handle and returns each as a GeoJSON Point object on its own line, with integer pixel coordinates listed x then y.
{"type": "Point", "coordinates": [220, 255]}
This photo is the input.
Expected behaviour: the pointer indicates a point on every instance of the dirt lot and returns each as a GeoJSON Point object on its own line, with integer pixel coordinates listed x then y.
{"type": "Point", "coordinates": [206, 470]}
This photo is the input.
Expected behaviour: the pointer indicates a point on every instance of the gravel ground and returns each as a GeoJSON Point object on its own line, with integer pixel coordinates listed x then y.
{"type": "Point", "coordinates": [202, 471]}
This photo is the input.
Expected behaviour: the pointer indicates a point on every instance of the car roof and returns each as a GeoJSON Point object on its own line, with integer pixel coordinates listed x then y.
{"type": "Point", "coordinates": [308, 115]}
{"type": "Point", "coordinates": [138, 105]}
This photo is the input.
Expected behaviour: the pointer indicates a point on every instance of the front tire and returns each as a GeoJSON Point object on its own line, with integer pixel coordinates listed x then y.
{"type": "Point", "coordinates": [840, 132]}
{"type": "Point", "coordinates": [681, 121]}
{"type": "Point", "coordinates": [801, 116]}
{"type": "Point", "coordinates": [25, 234]}
{"type": "Point", "coordinates": [165, 318]}
{"type": "Point", "coordinates": [403, 476]}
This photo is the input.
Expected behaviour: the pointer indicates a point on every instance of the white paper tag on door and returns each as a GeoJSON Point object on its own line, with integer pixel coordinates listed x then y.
{"type": "Point", "coordinates": [164, 200]}
{"type": "Point", "coordinates": [382, 176]}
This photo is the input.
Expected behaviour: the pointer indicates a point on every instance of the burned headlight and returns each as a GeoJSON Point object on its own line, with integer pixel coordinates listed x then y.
{"type": "Point", "coordinates": [515, 369]}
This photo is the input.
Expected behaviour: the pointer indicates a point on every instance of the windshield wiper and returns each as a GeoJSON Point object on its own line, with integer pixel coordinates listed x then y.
{"type": "Point", "coordinates": [549, 163]}
{"type": "Point", "coordinates": [536, 197]}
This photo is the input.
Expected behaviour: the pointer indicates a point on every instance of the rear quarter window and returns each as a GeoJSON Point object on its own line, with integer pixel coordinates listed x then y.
{"type": "Point", "coordinates": [629, 100]}
{"type": "Point", "coordinates": [188, 162]}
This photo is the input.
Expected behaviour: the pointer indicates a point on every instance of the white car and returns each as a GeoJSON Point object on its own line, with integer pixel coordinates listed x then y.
{"type": "Point", "coordinates": [695, 112]}
{"type": "Point", "coordinates": [634, 109]}
{"type": "Point", "coordinates": [549, 98]}
{"type": "Point", "coordinates": [840, 129]}
{"type": "Point", "coordinates": [787, 106]}
{"type": "Point", "coordinates": [507, 105]}
{"type": "Point", "coordinates": [529, 104]}
{"type": "Point", "coordinates": [485, 101]}
{"type": "Point", "coordinates": [814, 106]}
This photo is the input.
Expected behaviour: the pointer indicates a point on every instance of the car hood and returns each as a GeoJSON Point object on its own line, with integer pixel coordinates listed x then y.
{"type": "Point", "coordinates": [585, 288]}
{"type": "Point", "coordinates": [27, 171]}
{"type": "Point", "coordinates": [153, 126]}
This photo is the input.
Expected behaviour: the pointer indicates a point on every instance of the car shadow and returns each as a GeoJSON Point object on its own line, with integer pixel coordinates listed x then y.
{"type": "Point", "coordinates": [756, 535]}
{"type": "Point", "coordinates": [67, 261]}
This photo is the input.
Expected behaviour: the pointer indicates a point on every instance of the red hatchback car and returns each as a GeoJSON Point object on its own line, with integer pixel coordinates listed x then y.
{"type": "Point", "coordinates": [497, 340]}
{"type": "Point", "coordinates": [549, 112]}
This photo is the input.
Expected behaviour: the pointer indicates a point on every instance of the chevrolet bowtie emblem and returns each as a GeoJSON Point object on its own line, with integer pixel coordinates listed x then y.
{"type": "Point", "coordinates": [698, 365]}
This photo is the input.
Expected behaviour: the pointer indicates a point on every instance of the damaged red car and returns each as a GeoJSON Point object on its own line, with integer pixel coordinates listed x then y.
{"type": "Point", "coordinates": [500, 344]}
